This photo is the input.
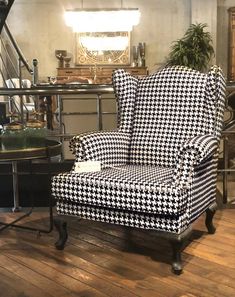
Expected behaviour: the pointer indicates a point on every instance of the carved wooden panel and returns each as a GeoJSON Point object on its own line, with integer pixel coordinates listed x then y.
{"type": "Point", "coordinates": [97, 74]}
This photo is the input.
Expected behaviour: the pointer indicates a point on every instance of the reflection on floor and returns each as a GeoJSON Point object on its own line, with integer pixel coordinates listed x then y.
{"type": "Point", "coordinates": [230, 189]}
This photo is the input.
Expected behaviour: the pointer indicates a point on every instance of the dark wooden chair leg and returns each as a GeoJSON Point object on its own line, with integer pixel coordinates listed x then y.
{"type": "Point", "coordinates": [210, 212]}
{"type": "Point", "coordinates": [178, 242]}
{"type": "Point", "coordinates": [177, 247]}
{"type": "Point", "coordinates": [61, 227]}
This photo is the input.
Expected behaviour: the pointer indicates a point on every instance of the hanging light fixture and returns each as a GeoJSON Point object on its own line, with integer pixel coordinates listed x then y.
{"type": "Point", "coordinates": [106, 20]}
{"type": "Point", "coordinates": [104, 43]}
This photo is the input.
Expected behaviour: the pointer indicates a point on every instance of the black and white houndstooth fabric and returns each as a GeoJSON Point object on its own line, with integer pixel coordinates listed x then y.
{"type": "Point", "coordinates": [172, 106]}
{"type": "Point", "coordinates": [159, 167]}
{"type": "Point", "coordinates": [111, 148]}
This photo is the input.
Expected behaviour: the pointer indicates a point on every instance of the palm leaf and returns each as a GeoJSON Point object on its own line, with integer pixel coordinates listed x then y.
{"type": "Point", "coordinates": [194, 49]}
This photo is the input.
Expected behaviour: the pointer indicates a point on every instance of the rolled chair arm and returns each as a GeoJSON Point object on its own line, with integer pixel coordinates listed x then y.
{"type": "Point", "coordinates": [195, 151]}
{"type": "Point", "coordinates": [109, 147]}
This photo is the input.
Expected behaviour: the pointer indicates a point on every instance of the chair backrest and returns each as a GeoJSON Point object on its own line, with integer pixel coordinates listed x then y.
{"type": "Point", "coordinates": [167, 108]}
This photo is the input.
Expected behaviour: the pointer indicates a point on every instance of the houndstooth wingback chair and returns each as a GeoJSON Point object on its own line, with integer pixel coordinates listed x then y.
{"type": "Point", "coordinates": [159, 167]}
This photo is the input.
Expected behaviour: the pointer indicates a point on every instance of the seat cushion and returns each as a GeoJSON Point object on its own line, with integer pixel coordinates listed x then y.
{"type": "Point", "coordinates": [145, 189]}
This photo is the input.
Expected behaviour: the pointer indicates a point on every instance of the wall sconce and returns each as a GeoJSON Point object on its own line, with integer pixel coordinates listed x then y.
{"type": "Point", "coordinates": [107, 20]}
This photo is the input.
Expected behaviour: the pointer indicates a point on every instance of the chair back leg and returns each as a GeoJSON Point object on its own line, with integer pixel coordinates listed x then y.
{"type": "Point", "coordinates": [210, 212]}
{"type": "Point", "coordinates": [61, 227]}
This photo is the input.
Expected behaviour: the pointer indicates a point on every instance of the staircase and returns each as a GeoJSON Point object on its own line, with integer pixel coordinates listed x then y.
{"type": "Point", "coordinates": [15, 71]}
{"type": "Point", "coordinates": [5, 6]}
{"type": "Point", "coordinates": [12, 60]}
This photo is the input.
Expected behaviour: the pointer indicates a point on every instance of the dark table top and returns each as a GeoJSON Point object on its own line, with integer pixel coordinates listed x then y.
{"type": "Point", "coordinates": [52, 148]}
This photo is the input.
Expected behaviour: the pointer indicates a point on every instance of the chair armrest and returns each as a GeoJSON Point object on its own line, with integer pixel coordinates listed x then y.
{"type": "Point", "coordinates": [195, 151]}
{"type": "Point", "coordinates": [109, 147]}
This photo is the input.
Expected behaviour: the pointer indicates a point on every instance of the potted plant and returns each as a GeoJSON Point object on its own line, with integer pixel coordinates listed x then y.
{"type": "Point", "coordinates": [194, 49]}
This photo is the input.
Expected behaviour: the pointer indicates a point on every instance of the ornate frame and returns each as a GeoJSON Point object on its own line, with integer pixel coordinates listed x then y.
{"type": "Point", "coordinates": [84, 56]}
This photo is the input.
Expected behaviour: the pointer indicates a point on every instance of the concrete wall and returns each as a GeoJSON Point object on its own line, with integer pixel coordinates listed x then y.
{"type": "Point", "coordinates": [222, 33]}
{"type": "Point", "coordinates": [205, 12]}
{"type": "Point", "coordinates": [39, 28]}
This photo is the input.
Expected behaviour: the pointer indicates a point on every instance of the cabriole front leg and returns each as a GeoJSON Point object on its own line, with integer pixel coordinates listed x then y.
{"type": "Point", "coordinates": [177, 247]}
{"type": "Point", "coordinates": [178, 242]}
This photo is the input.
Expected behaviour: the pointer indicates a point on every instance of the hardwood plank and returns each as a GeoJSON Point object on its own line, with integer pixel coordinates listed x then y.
{"type": "Point", "coordinates": [223, 288]}
{"type": "Point", "coordinates": [112, 275]}
{"type": "Point", "coordinates": [88, 223]}
{"type": "Point", "coordinates": [13, 285]}
{"type": "Point", "coordinates": [98, 260]}
{"type": "Point", "coordinates": [49, 261]}
{"type": "Point", "coordinates": [116, 264]}
{"type": "Point", "coordinates": [40, 279]}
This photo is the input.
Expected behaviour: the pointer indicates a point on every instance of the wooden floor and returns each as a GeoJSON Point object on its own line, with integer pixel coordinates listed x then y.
{"type": "Point", "coordinates": [99, 261]}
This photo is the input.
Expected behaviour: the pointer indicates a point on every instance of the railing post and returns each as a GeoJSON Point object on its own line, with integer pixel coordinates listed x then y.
{"type": "Point", "coordinates": [21, 97]}
{"type": "Point", "coordinates": [60, 109]}
{"type": "Point", "coordinates": [35, 72]}
{"type": "Point", "coordinates": [99, 112]}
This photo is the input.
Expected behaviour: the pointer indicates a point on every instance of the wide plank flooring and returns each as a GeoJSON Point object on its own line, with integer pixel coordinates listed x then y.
{"type": "Point", "coordinates": [107, 260]}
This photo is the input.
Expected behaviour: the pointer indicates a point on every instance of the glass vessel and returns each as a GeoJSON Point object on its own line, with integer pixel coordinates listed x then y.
{"type": "Point", "coordinates": [13, 136]}
{"type": "Point", "coordinates": [142, 54]}
{"type": "Point", "coordinates": [135, 53]}
{"type": "Point", "coordinates": [36, 133]}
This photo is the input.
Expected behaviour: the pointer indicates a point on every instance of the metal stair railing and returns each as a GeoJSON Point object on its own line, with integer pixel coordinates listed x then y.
{"type": "Point", "coordinates": [5, 6]}
{"type": "Point", "coordinates": [11, 54]}
{"type": "Point", "coordinates": [12, 61]}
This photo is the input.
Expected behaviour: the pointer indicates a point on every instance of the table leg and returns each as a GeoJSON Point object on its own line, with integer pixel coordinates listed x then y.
{"type": "Point", "coordinates": [225, 173]}
{"type": "Point", "coordinates": [16, 207]}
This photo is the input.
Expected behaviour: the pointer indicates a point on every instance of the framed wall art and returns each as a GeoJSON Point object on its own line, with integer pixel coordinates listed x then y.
{"type": "Point", "coordinates": [102, 48]}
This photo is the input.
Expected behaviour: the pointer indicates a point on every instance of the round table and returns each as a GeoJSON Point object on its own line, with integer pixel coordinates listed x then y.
{"type": "Point", "coordinates": [52, 148]}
